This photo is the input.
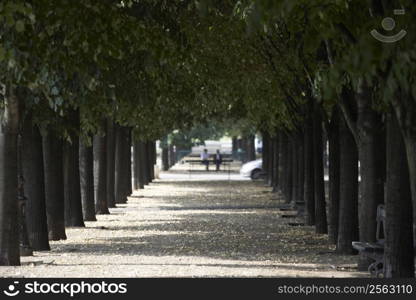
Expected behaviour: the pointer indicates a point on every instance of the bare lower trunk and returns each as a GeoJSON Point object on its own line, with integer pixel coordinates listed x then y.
{"type": "Point", "coordinates": [9, 227]}
{"type": "Point", "coordinates": [411, 158]}
{"type": "Point", "coordinates": [86, 168]}
{"type": "Point", "coordinates": [265, 156]}
{"type": "Point", "coordinates": [295, 169]}
{"type": "Point", "coordinates": [301, 172]}
{"type": "Point", "coordinates": [122, 164]}
{"type": "Point", "coordinates": [34, 185]}
{"type": "Point", "coordinates": [72, 185]}
{"type": "Point", "coordinates": [100, 172]}
{"type": "Point", "coordinates": [151, 155]}
{"type": "Point", "coordinates": [319, 189]}
{"type": "Point", "coordinates": [334, 176]}
{"type": "Point", "coordinates": [399, 252]}
{"type": "Point", "coordinates": [111, 201]}
{"type": "Point", "coordinates": [309, 194]}
{"type": "Point", "coordinates": [54, 185]}
{"type": "Point", "coordinates": [144, 163]}
{"type": "Point", "coordinates": [276, 162]}
{"type": "Point", "coordinates": [348, 202]}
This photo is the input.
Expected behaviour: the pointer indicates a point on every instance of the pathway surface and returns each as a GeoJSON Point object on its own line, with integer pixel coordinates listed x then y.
{"type": "Point", "coordinates": [192, 225]}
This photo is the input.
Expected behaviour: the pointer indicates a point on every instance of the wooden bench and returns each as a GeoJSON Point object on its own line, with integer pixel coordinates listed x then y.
{"type": "Point", "coordinates": [375, 250]}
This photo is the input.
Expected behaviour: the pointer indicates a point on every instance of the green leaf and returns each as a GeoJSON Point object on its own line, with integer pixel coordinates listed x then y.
{"type": "Point", "coordinates": [20, 26]}
{"type": "Point", "coordinates": [2, 53]}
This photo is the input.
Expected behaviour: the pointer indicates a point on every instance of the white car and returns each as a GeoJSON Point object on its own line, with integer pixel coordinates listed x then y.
{"type": "Point", "coordinates": [252, 169]}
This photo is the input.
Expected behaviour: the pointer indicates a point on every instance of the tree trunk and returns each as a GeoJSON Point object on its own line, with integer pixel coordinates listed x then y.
{"type": "Point", "coordinates": [288, 170]}
{"type": "Point", "coordinates": [309, 186]}
{"type": "Point", "coordinates": [122, 164]}
{"type": "Point", "coordinates": [138, 165]}
{"type": "Point", "coordinates": [265, 156]}
{"type": "Point", "coordinates": [321, 225]}
{"type": "Point", "coordinates": [72, 185]}
{"type": "Point", "coordinates": [151, 157]}
{"type": "Point", "coordinates": [9, 227]}
{"type": "Point", "coordinates": [165, 158]}
{"type": "Point", "coordinates": [371, 147]}
{"type": "Point", "coordinates": [334, 175]}
{"type": "Point", "coordinates": [100, 172]}
{"type": "Point", "coordinates": [301, 173]}
{"type": "Point", "coordinates": [34, 186]}
{"type": "Point", "coordinates": [251, 147]}
{"type": "Point", "coordinates": [411, 158]}
{"type": "Point", "coordinates": [72, 182]}
{"type": "Point", "coordinates": [144, 166]}
{"type": "Point", "coordinates": [129, 163]}
{"type": "Point", "coordinates": [282, 160]}
{"type": "Point", "coordinates": [86, 168]}
{"type": "Point", "coordinates": [295, 169]}
{"type": "Point", "coordinates": [270, 161]}
{"type": "Point", "coordinates": [399, 252]}
{"type": "Point", "coordinates": [348, 201]}
{"type": "Point", "coordinates": [276, 161]}
{"type": "Point", "coordinates": [405, 109]}
{"type": "Point", "coordinates": [235, 146]}
{"type": "Point", "coordinates": [54, 185]}
{"type": "Point", "coordinates": [172, 158]}
{"type": "Point", "coordinates": [111, 164]}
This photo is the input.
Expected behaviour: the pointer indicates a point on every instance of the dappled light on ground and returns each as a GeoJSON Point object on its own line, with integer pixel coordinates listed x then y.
{"type": "Point", "coordinates": [202, 228]}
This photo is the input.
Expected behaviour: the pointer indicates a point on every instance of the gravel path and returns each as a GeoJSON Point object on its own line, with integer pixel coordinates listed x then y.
{"type": "Point", "coordinates": [188, 226]}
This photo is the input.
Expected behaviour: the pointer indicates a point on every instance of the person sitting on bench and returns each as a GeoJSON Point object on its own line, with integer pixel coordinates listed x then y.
{"type": "Point", "coordinates": [205, 159]}
{"type": "Point", "coordinates": [217, 160]}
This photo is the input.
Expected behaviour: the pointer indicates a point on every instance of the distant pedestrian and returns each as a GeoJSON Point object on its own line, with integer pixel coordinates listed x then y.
{"type": "Point", "coordinates": [217, 160]}
{"type": "Point", "coordinates": [205, 159]}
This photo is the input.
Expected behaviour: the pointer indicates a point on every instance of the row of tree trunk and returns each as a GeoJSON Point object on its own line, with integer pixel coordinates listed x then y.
{"type": "Point", "coordinates": [244, 148]}
{"type": "Point", "coordinates": [65, 182]}
{"type": "Point", "coordinates": [364, 170]}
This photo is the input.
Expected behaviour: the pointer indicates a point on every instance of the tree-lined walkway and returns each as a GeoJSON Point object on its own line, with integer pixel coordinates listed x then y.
{"type": "Point", "coordinates": [180, 228]}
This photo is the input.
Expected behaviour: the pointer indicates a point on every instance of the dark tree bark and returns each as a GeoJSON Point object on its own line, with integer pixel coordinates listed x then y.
{"type": "Point", "coordinates": [86, 168]}
{"type": "Point", "coordinates": [251, 147]}
{"type": "Point", "coordinates": [270, 161]}
{"type": "Point", "coordinates": [321, 225]}
{"type": "Point", "coordinates": [111, 201]}
{"type": "Point", "coordinates": [165, 158]}
{"type": "Point", "coordinates": [72, 185]}
{"type": "Point", "coordinates": [405, 109]}
{"type": "Point", "coordinates": [370, 136]}
{"type": "Point", "coordinates": [34, 187]}
{"type": "Point", "coordinates": [137, 166]}
{"type": "Point", "coordinates": [334, 175]}
{"type": "Point", "coordinates": [172, 156]}
{"type": "Point", "coordinates": [301, 171]}
{"type": "Point", "coordinates": [9, 227]}
{"type": "Point", "coordinates": [399, 252]}
{"type": "Point", "coordinates": [144, 163]}
{"type": "Point", "coordinates": [129, 164]}
{"type": "Point", "coordinates": [265, 155]}
{"type": "Point", "coordinates": [100, 172]}
{"type": "Point", "coordinates": [295, 169]}
{"type": "Point", "coordinates": [151, 158]}
{"type": "Point", "coordinates": [276, 162]}
{"type": "Point", "coordinates": [234, 145]}
{"type": "Point", "coordinates": [122, 164]}
{"type": "Point", "coordinates": [367, 127]}
{"type": "Point", "coordinates": [309, 186]}
{"type": "Point", "coordinates": [282, 159]}
{"type": "Point", "coordinates": [54, 185]}
{"type": "Point", "coordinates": [72, 182]}
{"type": "Point", "coordinates": [348, 201]}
